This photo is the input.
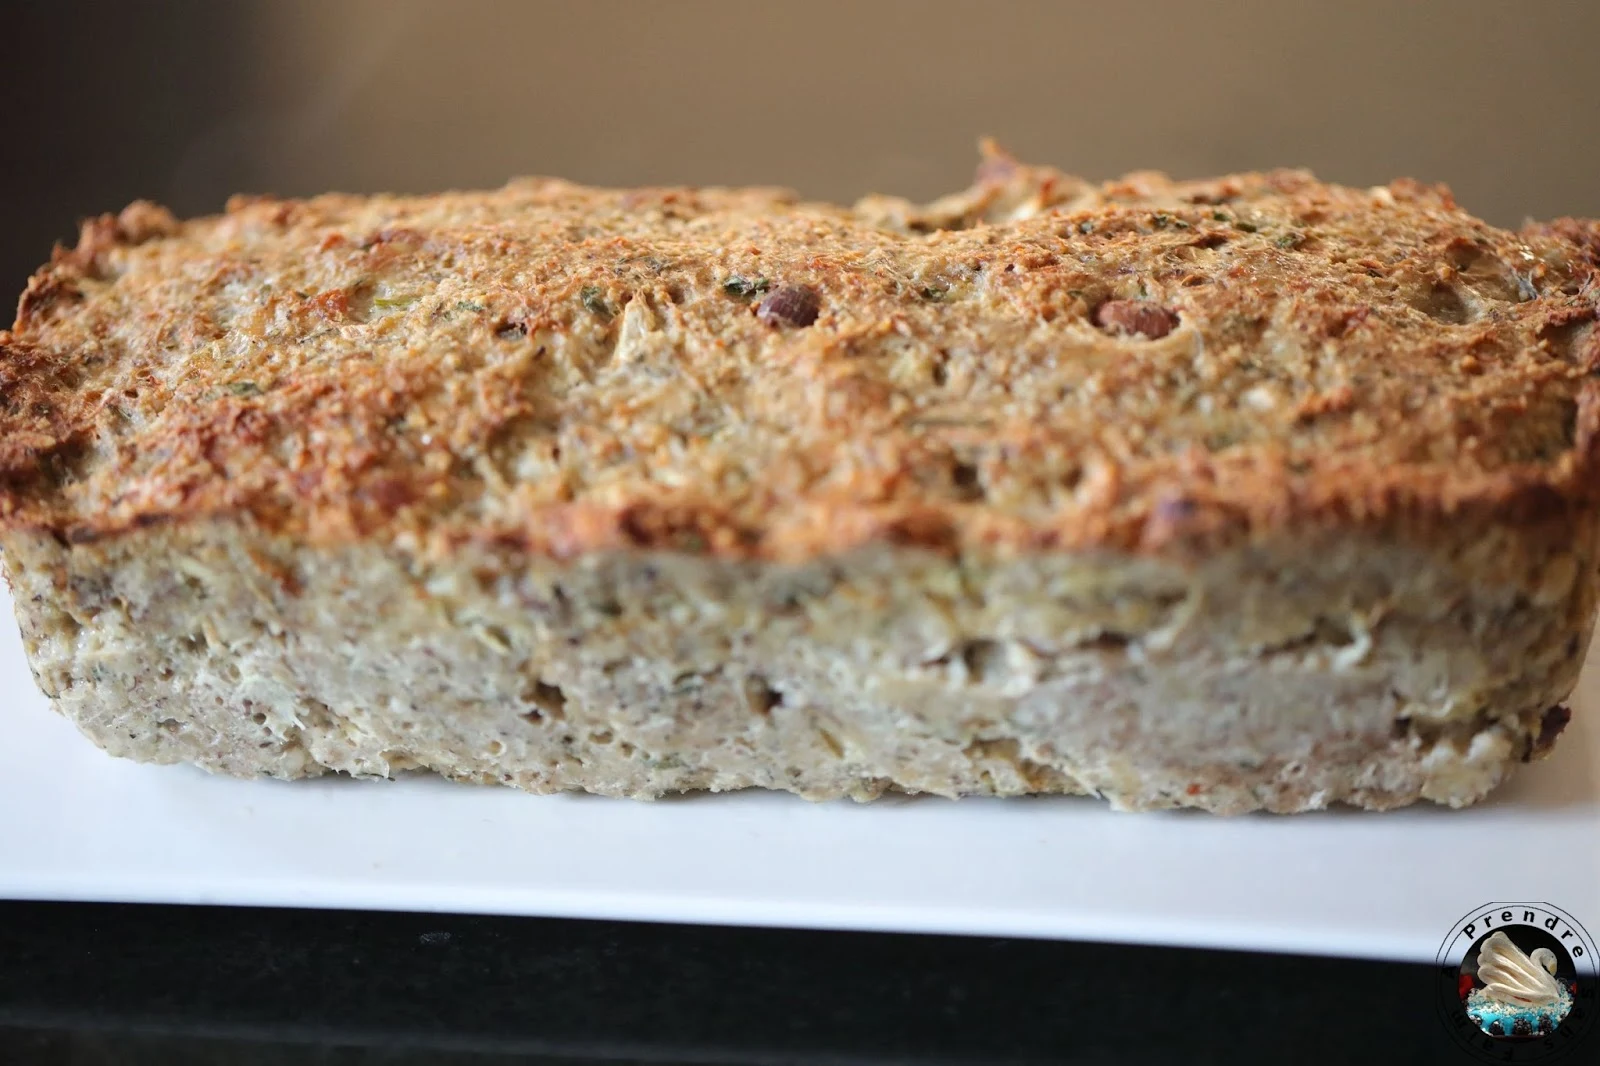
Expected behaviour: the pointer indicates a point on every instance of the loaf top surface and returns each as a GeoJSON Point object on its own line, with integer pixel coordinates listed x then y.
{"type": "Point", "coordinates": [1036, 363]}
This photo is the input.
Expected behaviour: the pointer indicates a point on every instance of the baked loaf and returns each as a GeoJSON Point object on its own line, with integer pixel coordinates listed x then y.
{"type": "Point", "coordinates": [1246, 493]}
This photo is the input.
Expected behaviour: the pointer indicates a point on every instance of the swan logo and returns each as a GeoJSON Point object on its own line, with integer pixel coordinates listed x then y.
{"type": "Point", "coordinates": [1518, 983]}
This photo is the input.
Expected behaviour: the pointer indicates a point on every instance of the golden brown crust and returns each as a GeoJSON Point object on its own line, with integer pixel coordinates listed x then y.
{"type": "Point", "coordinates": [1033, 364]}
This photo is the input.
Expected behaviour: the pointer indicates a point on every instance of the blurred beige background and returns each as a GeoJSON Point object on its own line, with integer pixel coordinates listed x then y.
{"type": "Point", "coordinates": [839, 98]}
{"type": "Point", "coordinates": [186, 102]}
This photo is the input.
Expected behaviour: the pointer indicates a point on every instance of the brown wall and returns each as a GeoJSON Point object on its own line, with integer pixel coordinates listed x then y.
{"type": "Point", "coordinates": [187, 102]}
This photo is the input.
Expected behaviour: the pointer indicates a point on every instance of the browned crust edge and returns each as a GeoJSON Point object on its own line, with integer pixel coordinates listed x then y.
{"type": "Point", "coordinates": [1188, 505]}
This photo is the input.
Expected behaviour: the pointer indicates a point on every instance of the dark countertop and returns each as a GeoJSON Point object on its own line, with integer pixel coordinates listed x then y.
{"type": "Point", "coordinates": [89, 984]}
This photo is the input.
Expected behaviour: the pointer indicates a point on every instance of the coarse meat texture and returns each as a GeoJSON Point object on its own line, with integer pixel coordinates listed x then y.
{"type": "Point", "coordinates": [1253, 492]}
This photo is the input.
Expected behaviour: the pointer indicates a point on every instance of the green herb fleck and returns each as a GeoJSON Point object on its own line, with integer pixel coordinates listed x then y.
{"type": "Point", "coordinates": [245, 388]}
{"type": "Point", "coordinates": [1086, 227]}
{"type": "Point", "coordinates": [1161, 220]}
{"type": "Point", "coordinates": [594, 301]}
{"type": "Point", "coordinates": [1289, 240]}
{"type": "Point", "coordinates": [743, 288]}
{"type": "Point", "coordinates": [1219, 216]}
{"type": "Point", "coordinates": [934, 293]}
{"type": "Point", "coordinates": [654, 263]}
{"type": "Point", "coordinates": [687, 683]}
{"type": "Point", "coordinates": [390, 303]}
{"type": "Point", "coordinates": [1248, 227]}
{"type": "Point", "coordinates": [469, 305]}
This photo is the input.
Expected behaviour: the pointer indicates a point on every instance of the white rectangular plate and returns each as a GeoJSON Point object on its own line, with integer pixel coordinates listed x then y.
{"type": "Point", "coordinates": [76, 824]}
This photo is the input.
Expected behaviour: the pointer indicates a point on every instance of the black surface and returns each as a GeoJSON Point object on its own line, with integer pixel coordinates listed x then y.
{"type": "Point", "coordinates": [99, 983]}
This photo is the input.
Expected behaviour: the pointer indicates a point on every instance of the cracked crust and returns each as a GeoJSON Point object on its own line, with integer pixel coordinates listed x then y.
{"type": "Point", "coordinates": [1034, 364]}
{"type": "Point", "coordinates": [1246, 493]}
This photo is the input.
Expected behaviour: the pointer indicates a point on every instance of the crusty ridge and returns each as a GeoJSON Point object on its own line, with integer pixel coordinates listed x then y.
{"type": "Point", "coordinates": [1035, 363]}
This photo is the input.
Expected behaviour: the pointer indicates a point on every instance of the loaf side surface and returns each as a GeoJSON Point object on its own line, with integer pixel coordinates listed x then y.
{"type": "Point", "coordinates": [1286, 677]}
